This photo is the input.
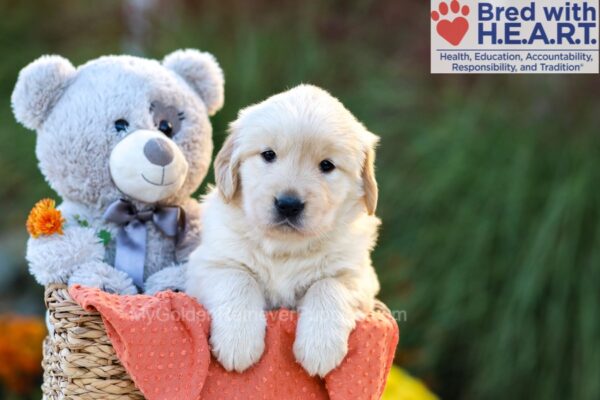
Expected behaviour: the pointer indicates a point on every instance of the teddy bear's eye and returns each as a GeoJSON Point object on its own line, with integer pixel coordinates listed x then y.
{"type": "Point", "coordinates": [121, 125]}
{"type": "Point", "coordinates": [166, 127]}
{"type": "Point", "coordinates": [166, 118]}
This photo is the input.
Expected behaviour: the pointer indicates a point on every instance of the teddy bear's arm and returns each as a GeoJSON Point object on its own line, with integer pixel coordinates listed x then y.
{"type": "Point", "coordinates": [53, 259]}
{"type": "Point", "coordinates": [76, 255]}
{"type": "Point", "coordinates": [170, 278]}
{"type": "Point", "coordinates": [100, 275]}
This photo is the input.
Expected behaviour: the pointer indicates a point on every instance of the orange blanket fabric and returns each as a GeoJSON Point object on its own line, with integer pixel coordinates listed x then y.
{"type": "Point", "coordinates": [162, 342]}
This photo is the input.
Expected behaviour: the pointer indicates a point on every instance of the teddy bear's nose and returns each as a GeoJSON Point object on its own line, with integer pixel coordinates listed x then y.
{"type": "Point", "coordinates": [158, 152]}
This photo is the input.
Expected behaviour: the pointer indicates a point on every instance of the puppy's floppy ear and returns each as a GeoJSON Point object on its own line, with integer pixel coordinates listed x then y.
{"type": "Point", "coordinates": [39, 86]}
{"type": "Point", "coordinates": [202, 72]}
{"type": "Point", "coordinates": [226, 168]}
{"type": "Point", "coordinates": [371, 192]}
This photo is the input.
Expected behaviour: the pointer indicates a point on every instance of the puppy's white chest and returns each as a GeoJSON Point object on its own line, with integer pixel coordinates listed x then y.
{"type": "Point", "coordinates": [281, 294]}
{"type": "Point", "coordinates": [284, 283]}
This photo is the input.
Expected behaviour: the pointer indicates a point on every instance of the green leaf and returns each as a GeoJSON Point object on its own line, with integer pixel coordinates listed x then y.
{"type": "Point", "coordinates": [81, 222]}
{"type": "Point", "coordinates": [105, 236]}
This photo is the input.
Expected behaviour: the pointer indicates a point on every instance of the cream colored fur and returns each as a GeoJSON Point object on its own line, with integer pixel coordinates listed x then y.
{"type": "Point", "coordinates": [321, 267]}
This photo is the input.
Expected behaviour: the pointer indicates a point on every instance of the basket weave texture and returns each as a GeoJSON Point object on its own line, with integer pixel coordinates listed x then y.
{"type": "Point", "coordinates": [79, 361]}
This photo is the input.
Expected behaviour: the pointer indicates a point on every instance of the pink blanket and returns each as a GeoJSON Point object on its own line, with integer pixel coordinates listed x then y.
{"type": "Point", "coordinates": [162, 342]}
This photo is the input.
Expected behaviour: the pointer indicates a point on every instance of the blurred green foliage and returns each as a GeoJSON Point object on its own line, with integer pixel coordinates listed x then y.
{"type": "Point", "coordinates": [490, 241]}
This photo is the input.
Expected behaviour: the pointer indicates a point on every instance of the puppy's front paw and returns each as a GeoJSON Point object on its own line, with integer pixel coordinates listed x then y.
{"type": "Point", "coordinates": [237, 342]}
{"type": "Point", "coordinates": [320, 348]}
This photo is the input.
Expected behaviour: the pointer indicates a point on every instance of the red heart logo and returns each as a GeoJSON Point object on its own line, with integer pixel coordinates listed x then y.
{"type": "Point", "coordinates": [453, 31]}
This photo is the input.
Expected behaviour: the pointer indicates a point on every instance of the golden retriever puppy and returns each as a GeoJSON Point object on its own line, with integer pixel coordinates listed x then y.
{"type": "Point", "coordinates": [290, 224]}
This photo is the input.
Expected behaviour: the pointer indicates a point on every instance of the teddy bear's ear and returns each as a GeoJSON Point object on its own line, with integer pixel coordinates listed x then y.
{"type": "Point", "coordinates": [39, 86]}
{"type": "Point", "coordinates": [202, 72]}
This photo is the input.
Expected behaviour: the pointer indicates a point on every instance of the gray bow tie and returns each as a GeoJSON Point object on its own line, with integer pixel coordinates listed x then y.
{"type": "Point", "coordinates": [131, 239]}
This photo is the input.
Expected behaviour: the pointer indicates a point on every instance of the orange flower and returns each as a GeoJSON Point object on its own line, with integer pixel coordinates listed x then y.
{"type": "Point", "coordinates": [21, 352]}
{"type": "Point", "coordinates": [45, 219]}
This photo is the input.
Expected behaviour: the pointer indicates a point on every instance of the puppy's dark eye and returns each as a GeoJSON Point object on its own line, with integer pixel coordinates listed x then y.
{"type": "Point", "coordinates": [121, 125]}
{"type": "Point", "coordinates": [269, 156]}
{"type": "Point", "coordinates": [166, 127]}
{"type": "Point", "coordinates": [326, 166]}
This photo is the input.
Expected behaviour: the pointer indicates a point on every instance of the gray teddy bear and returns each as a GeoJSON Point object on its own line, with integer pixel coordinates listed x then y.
{"type": "Point", "coordinates": [124, 141]}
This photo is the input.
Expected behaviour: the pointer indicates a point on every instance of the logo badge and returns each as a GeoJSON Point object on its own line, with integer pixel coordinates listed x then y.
{"type": "Point", "coordinates": [510, 37]}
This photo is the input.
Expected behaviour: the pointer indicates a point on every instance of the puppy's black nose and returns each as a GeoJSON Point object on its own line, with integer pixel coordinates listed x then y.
{"type": "Point", "coordinates": [158, 152]}
{"type": "Point", "coordinates": [288, 206]}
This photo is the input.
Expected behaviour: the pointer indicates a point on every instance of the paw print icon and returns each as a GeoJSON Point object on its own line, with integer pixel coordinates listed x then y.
{"type": "Point", "coordinates": [451, 22]}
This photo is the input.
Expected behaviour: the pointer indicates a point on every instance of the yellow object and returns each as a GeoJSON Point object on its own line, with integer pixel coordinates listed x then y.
{"type": "Point", "coordinates": [402, 386]}
{"type": "Point", "coordinates": [45, 219]}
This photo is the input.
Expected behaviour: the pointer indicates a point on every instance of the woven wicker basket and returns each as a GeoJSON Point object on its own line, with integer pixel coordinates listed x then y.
{"type": "Point", "coordinates": [79, 360]}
